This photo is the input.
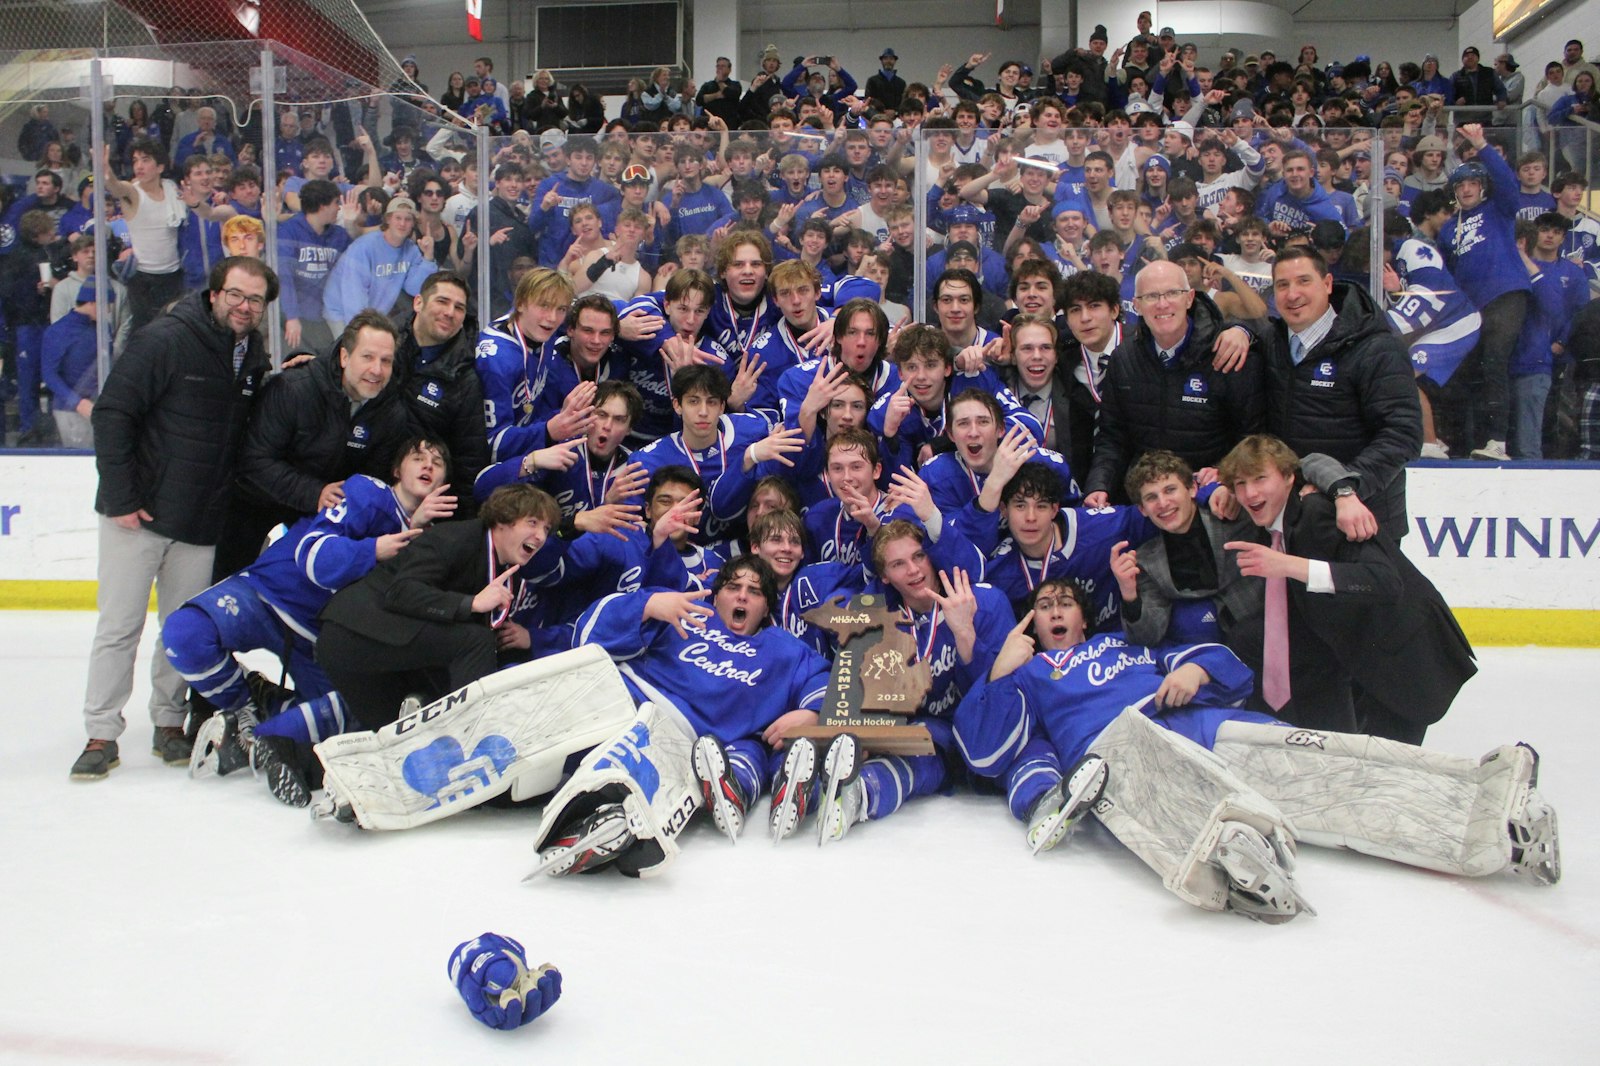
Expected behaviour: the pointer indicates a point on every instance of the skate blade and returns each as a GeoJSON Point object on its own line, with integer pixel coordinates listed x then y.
{"type": "Point", "coordinates": [1073, 810]}
{"type": "Point", "coordinates": [208, 738]}
{"type": "Point", "coordinates": [839, 768]}
{"type": "Point", "coordinates": [1247, 872]}
{"type": "Point", "coordinates": [1538, 851]}
{"type": "Point", "coordinates": [714, 792]}
{"type": "Point", "coordinates": [558, 861]}
{"type": "Point", "coordinates": [800, 767]}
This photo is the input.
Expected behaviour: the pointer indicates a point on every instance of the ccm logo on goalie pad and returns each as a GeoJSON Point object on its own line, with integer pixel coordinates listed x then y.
{"type": "Point", "coordinates": [680, 817]}
{"type": "Point", "coordinates": [1305, 738]}
{"type": "Point", "coordinates": [430, 712]}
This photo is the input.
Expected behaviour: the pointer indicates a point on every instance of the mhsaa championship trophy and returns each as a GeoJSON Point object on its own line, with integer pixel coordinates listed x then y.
{"type": "Point", "coordinates": [877, 682]}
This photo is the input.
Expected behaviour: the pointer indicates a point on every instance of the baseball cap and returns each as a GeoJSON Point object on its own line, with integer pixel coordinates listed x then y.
{"type": "Point", "coordinates": [1328, 234]}
{"type": "Point", "coordinates": [1166, 31]}
{"type": "Point", "coordinates": [887, 53]}
{"type": "Point", "coordinates": [400, 203]}
{"type": "Point", "coordinates": [1183, 127]}
{"type": "Point", "coordinates": [961, 248]}
{"type": "Point", "coordinates": [1431, 144]}
{"type": "Point", "coordinates": [552, 139]}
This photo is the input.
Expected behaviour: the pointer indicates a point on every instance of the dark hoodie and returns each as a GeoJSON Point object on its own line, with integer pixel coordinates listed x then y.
{"type": "Point", "coordinates": [170, 419]}
{"type": "Point", "coordinates": [1354, 398]}
{"type": "Point", "coordinates": [1187, 408]}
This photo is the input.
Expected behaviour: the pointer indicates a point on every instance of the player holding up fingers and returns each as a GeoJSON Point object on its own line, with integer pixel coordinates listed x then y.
{"type": "Point", "coordinates": [719, 685]}
{"type": "Point", "coordinates": [274, 604]}
{"type": "Point", "coordinates": [959, 628]}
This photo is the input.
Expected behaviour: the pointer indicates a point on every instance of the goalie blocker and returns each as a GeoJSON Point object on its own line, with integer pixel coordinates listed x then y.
{"type": "Point", "coordinates": [509, 733]}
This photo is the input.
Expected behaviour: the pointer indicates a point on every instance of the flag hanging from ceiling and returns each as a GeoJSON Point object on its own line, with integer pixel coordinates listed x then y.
{"type": "Point", "coordinates": [475, 19]}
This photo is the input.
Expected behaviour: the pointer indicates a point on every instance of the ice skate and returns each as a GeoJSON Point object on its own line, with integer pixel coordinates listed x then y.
{"type": "Point", "coordinates": [722, 795]}
{"type": "Point", "coordinates": [268, 696]}
{"type": "Point", "coordinates": [327, 805]}
{"type": "Point", "coordinates": [1535, 849]}
{"type": "Point", "coordinates": [222, 743]}
{"type": "Point", "coordinates": [588, 844]}
{"type": "Point", "coordinates": [1056, 814]}
{"type": "Point", "coordinates": [1261, 886]}
{"type": "Point", "coordinates": [844, 797]}
{"type": "Point", "coordinates": [275, 759]}
{"type": "Point", "coordinates": [791, 791]}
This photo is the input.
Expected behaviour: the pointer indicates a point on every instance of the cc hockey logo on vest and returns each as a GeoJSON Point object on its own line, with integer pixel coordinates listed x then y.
{"type": "Point", "coordinates": [1305, 738]}
{"type": "Point", "coordinates": [1322, 376]}
{"type": "Point", "coordinates": [1196, 389]}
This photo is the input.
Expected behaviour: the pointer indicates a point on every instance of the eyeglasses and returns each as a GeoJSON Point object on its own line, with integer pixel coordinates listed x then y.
{"type": "Point", "coordinates": [233, 298]}
{"type": "Point", "coordinates": [1171, 295]}
{"type": "Point", "coordinates": [433, 192]}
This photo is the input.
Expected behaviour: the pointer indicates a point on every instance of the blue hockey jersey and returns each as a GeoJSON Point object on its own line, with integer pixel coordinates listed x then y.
{"type": "Point", "coordinates": [1071, 696]}
{"type": "Point", "coordinates": [724, 684]}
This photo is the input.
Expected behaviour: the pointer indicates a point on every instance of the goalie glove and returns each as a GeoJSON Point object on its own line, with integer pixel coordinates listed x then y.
{"type": "Point", "coordinates": [491, 973]}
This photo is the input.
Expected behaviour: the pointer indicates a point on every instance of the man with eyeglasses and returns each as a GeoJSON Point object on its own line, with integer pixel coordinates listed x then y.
{"type": "Point", "coordinates": [168, 427]}
{"type": "Point", "coordinates": [1180, 380]}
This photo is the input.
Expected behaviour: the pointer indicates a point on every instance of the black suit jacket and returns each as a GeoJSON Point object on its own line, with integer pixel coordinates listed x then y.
{"type": "Point", "coordinates": [432, 580]}
{"type": "Point", "coordinates": [1384, 626]}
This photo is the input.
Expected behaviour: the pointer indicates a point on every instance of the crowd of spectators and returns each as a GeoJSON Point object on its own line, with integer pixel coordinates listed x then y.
{"type": "Point", "coordinates": [1102, 160]}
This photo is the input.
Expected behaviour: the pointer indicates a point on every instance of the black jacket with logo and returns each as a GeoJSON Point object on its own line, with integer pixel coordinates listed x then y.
{"type": "Point", "coordinates": [1188, 407]}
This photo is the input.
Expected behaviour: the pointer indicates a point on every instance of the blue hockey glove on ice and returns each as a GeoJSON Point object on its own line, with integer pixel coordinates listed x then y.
{"type": "Point", "coordinates": [491, 973]}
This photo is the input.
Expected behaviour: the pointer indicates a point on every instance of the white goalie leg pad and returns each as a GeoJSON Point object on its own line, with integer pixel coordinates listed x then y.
{"type": "Point", "coordinates": [1380, 797]}
{"type": "Point", "coordinates": [511, 731]}
{"type": "Point", "coordinates": [1168, 800]}
{"type": "Point", "coordinates": [651, 762]}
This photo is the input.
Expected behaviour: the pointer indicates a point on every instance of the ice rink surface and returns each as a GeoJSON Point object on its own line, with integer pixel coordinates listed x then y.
{"type": "Point", "coordinates": [153, 919]}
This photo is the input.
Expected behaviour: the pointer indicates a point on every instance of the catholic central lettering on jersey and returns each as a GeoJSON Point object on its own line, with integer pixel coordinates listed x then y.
{"type": "Point", "coordinates": [1103, 673]}
{"type": "Point", "coordinates": [694, 654]}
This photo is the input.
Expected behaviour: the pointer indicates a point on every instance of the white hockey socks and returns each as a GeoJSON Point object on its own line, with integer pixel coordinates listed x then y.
{"type": "Point", "coordinates": [511, 731]}
{"type": "Point", "coordinates": [1215, 842]}
{"type": "Point", "coordinates": [1442, 812]}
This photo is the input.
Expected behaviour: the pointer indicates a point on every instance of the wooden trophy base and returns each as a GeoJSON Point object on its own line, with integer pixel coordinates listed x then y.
{"type": "Point", "coordinates": [885, 739]}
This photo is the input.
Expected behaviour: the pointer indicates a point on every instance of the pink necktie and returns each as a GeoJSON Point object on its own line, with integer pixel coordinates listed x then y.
{"type": "Point", "coordinates": [1275, 651]}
